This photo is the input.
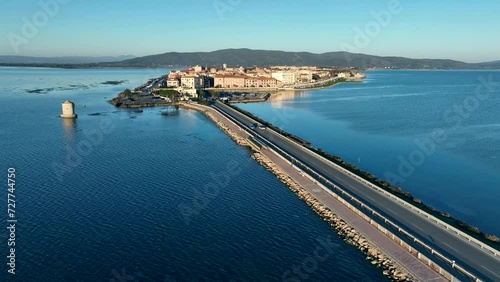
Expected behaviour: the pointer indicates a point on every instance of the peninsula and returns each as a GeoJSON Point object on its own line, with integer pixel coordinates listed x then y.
{"type": "Point", "coordinates": [396, 241]}
{"type": "Point", "coordinates": [231, 84]}
{"type": "Point", "coordinates": [392, 230]}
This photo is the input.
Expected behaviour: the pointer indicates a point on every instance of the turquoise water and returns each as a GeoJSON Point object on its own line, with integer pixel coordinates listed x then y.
{"type": "Point", "coordinates": [126, 196]}
{"type": "Point", "coordinates": [434, 133]}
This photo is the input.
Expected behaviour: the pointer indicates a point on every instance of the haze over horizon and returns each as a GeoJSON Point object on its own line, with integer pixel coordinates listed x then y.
{"type": "Point", "coordinates": [458, 30]}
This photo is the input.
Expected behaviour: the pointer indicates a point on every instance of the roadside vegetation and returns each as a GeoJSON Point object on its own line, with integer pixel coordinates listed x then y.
{"type": "Point", "coordinates": [168, 93]}
{"type": "Point", "coordinates": [491, 240]}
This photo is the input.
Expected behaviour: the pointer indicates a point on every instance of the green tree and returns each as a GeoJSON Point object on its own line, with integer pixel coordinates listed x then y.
{"type": "Point", "coordinates": [126, 93]}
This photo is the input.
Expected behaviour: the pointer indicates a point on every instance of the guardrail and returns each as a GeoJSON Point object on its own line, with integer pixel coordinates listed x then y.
{"type": "Point", "coordinates": [324, 180]}
{"type": "Point", "coordinates": [420, 212]}
{"type": "Point", "coordinates": [391, 235]}
{"type": "Point", "coordinates": [416, 210]}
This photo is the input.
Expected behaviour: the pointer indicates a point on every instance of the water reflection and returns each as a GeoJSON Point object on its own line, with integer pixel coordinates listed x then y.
{"type": "Point", "coordinates": [69, 125]}
{"type": "Point", "coordinates": [277, 98]}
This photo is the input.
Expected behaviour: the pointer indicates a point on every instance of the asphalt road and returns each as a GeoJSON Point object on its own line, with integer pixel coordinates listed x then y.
{"type": "Point", "coordinates": [471, 257]}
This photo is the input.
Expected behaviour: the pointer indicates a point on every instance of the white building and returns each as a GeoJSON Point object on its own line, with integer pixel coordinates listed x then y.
{"type": "Point", "coordinates": [305, 76]}
{"type": "Point", "coordinates": [359, 75]}
{"type": "Point", "coordinates": [287, 78]}
{"type": "Point", "coordinates": [173, 82]}
{"type": "Point", "coordinates": [68, 109]}
{"type": "Point", "coordinates": [343, 75]}
{"type": "Point", "coordinates": [190, 82]}
{"type": "Point", "coordinates": [192, 93]}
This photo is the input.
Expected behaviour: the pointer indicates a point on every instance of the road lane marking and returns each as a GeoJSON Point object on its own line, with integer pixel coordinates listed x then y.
{"type": "Point", "coordinates": [450, 246]}
{"type": "Point", "coordinates": [418, 227]}
{"type": "Point", "coordinates": [391, 210]}
{"type": "Point", "coordinates": [315, 161]}
{"type": "Point", "coordinates": [490, 271]}
{"type": "Point", "coordinates": [366, 196]}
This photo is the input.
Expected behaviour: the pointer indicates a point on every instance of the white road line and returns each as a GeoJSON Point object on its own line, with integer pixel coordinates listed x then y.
{"type": "Point", "coordinates": [490, 271]}
{"type": "Point", "coordinates": [390, 210]}
{"type": "Point", "coordinates": [373, 201]}
{"type": "Point", "coordinates": [418, 227]}
{"type": "Point", "coordinates": [450, 246]}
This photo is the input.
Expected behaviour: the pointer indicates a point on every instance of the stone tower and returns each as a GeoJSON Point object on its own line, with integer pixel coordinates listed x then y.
{"type": "Point", "coordinates": [68, 110]}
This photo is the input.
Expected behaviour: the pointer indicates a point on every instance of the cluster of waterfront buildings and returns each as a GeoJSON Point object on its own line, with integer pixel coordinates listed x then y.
{"type": "Point", "coordinates": [195, 78]}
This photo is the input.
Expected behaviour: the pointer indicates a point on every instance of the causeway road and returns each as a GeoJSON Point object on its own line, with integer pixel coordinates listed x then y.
{"type": "Point", "coordinates": [466, 254]}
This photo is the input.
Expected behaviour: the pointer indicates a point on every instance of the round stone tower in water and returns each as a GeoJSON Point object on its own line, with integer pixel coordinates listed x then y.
{"type": "Point", "coordinates": [68, 110]}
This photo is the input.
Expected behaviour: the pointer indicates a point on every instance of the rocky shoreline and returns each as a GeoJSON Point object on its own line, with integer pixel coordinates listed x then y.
{"type": "Point", "coordinates": [489, 239]}
{"type": "Point", "coordinates": [390, 268]}
{"type": "Point", "coordinates": [240, 141]}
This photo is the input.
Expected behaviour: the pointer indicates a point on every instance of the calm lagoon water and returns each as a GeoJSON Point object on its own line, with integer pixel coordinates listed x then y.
{"type": "Point", "coordinates": [118, 211]}
{"type": "Point", "coordinates": [386, 125]}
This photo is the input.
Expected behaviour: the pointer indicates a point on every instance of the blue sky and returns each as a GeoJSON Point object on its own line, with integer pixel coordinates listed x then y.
{"type": "Point", "coordinates": [461, 30]}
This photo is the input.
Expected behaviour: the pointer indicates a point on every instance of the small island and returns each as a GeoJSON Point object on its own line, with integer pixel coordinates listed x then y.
{"type": "Point", "coordinates": [114, 82]}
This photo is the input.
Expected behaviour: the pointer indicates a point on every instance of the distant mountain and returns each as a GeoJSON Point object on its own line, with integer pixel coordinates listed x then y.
{"type": "Point", "coordinates": [248, 57]}
{"type": "Point", "coordinates": [488, 65]}
{"type": "Point", "coordinates": [60, 60]}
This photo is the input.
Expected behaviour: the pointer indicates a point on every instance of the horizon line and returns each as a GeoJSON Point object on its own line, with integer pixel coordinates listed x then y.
{"type": "Point", "coordinates": [244, 48]}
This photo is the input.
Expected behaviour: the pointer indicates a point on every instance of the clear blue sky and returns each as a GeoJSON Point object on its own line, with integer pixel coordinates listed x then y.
{"type": "Point", "coordinates": [454, 29]}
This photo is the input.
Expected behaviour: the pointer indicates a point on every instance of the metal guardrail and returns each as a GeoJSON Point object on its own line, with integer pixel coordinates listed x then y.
{"type": "Point", "coordinates": [361, 204]}
{"type": "Point", "coordinates": [416, 210]}
{"type": "Point", "coordinates": [420, 212]}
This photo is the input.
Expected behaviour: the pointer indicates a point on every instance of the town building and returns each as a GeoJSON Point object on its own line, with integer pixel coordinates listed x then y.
{"type": "Point", "coordinates": [305, 76]}
{"type": "Point", "coordinates": [229, 81]}
{"type": "Point", "coordinates": [359, 75]}
{"type": "Point", "coordinates": [267, 82]}
{"type": "Point", "coordinates": [190, 82]}
{"type": "Point", "coordinates": [197, 68]}
{"type": "Point", "coordinates": [344, 75]}
{"type": "Point", "coordinates": [207, 81]}
{"type": "Point", "coordinates": [286, 78]}
{"type": "Point", "coordinates": [173, 82]}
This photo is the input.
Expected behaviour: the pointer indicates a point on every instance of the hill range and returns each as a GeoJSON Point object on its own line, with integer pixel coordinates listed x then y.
{"type": "Point", "coordinates": [262, 58]}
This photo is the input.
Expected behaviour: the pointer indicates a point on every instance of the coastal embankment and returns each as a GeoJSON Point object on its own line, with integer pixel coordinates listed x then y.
{"type": "Point", "coordinates": [491, 241]}
{"type": "Point", "coordinates": [217, 119]}
{"type": "Point", "coordinates": [395, 260]}
{"type": "Point", "coordinates": [301, 86]}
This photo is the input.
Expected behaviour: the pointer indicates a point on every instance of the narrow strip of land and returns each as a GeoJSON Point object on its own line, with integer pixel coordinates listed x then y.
{"type": "Point", "coordinates": [401, 256]}
{"type": "Point", "coordinates": [465, 253]}
{"type": "Point", "coordinates": [416, 267]}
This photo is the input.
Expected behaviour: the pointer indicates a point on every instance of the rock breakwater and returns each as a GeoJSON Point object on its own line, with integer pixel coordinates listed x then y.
{"type": "Point", "coordinates": [377, 257]}
{"type": "Point", "coordinates": [390, 268]}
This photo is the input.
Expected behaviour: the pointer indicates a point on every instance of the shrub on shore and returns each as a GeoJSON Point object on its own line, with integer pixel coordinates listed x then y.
{"type": "Point", "coordinates": [491, 240]}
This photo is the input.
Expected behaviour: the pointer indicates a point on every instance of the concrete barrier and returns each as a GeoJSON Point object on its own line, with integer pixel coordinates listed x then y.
{"type": "Point", "coordinates": [414, 209]}
{"type": "Point", "coordinates": [318, 177]}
